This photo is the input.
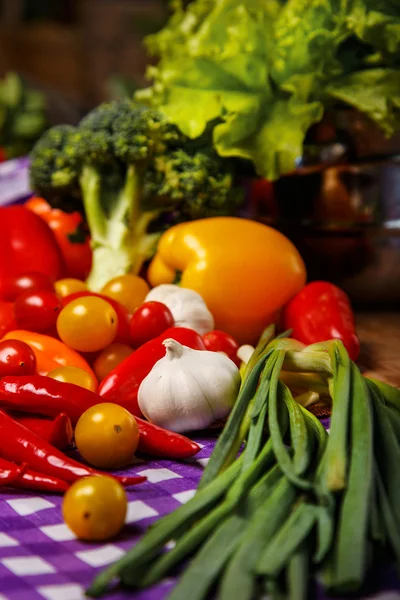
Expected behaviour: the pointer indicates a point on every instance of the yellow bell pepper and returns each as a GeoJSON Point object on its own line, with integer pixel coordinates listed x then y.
{"type": "Point", "coordinates": [245, 271]}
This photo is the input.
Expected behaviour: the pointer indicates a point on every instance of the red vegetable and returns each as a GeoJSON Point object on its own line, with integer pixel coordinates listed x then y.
{"type": "Point", "coordinates": [19, 444]}
{"type": "Point", "coordinates": [30, 480]}
{"type": "Point", "coordinates": [219, 341]}
{"type": "Point", "coordinates": [319, 312]}
{"type": "Point", "coordinates": [157, 441]}
{"type": "Point", "coordinates": [44, 395]}
{"type": "Point", "coordinates": [25, 239]}
{"type": "Point", "coordinates": [33, 281]}
{"type": "Point", "coordinates": [123, 333]}
{"type": "Point", "coordinates": [149, 320]}
{"type": "Point", "coordinates": [16, 358]}
{"type": "Point", "coordinates": [57, 432]}
{"type": "Point", "coordinates": [40, 395]}
{"type": "Point", "coordinates": [71, 234]}
{"type": "Point", "coordinates": [122, 384]}
{"type": "Point", "coordinates": [7, 319]}
{"type": "Point", "coordinates": [37, 311]}
{"type": "Point", "coordinates": [10, 473]}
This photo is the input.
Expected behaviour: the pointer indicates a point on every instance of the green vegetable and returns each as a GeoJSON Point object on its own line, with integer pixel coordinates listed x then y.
{"type": "Point", "coordinates": [260, 74]}
{"type": "Point", "coordinates": [126, 166]}
{"type": "Point", "coordinates": [270, 520]}
{"type": "Point", "coordinates": [22, 115]}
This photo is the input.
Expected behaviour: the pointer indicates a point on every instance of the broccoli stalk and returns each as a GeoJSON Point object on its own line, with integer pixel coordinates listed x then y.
{"type": "Point", "coordinates": [120, 241]}
{"type": "Point", "coordinates": [127, 165]}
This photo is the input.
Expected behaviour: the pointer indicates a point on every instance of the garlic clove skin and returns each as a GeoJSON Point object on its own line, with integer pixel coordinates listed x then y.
{"type": "Point", "coordinates": [187, 390]}
{"type": "Point", "coordinates": [187, 307]}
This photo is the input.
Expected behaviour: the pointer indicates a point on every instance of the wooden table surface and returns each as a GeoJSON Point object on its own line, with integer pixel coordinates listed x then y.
{"type": "Point", "coordinates": [379, 333]}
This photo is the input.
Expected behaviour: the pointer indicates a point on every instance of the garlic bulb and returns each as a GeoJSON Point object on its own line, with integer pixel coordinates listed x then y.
{"type": "Point", "coordinates": [189, 389]}
{"type": "Point", "coordinates": [187, 307]}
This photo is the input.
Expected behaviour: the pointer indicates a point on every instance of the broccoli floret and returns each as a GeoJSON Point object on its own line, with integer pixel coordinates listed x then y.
{"type": "Point", "coordinates": [200, 184]}
{"type": "Point", "coordinates": [55, 165]}
{"type": "Point", "coordinates": [131, 166]}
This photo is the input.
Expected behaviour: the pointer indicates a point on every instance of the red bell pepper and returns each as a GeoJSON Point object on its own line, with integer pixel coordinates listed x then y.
{"type": "Point", "coordinates": [21, 445]}
{"type": "Point", "coordinates": [30, 480]}
{"type": "Point", "coordinates": [3, 156]}
{"type": "Point", "coordinates": [46, 396]}
{"type": "Point", "coordinates": [319, 312]}
{"type": "Point", "coordinates": [26, 244]}
{"type": "Point", "coordinates": [122, 384]}
{"type": "Point", "coordinates": [71, 234]}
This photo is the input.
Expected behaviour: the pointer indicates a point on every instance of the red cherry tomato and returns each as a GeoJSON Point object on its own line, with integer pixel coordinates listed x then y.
{"type": "Point", "coordinates": [219, 341]}
{"type": "Point", "coordinates": [37, 311]}
{"type": "Point", "coordinates": [16, 358]}
{"type": "Point", "coordinates": [149, 321]}
{"type": "Point", "coordinates": [7, 319]}
{"type": "Point", "coordinates": [123, 335]}
{"type": "Point", "coordinates": [34, 281]}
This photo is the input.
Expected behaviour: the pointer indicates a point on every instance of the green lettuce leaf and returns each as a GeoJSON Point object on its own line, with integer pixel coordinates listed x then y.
{"type": "Point", "coordinates": [259, 73]}
{"type": "Point", "coordinates": [376, 22]}
{"type": "Point", "coordinates": [375, 92]}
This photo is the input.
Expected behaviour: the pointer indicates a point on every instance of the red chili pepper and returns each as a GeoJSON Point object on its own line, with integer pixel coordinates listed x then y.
{"type": "Point", "coordinates": [30, 480]}
{"type": "Point", "coordinates": [123, 333]}
{"type": "Point", "coordinates": [40, 395]}
{"type": "Point", "coordinates": [21, 445]}
{"type": "Point", "coordinates": [57, 432]}
{"type": "Point", "coordinates": [11, 473]}
{"type": "Point", "coordinates": [319, 312]}
{"type": "Point", "coordinates": [25, 239]}
{"type": "Point", "coordinates": [157, 441]}
{"type": "Point", "coordinates": [44, 395]}
{"type": "Point", "coordinates": [219, 341]}
{"type": "Point", "coordinates": [122, 384]}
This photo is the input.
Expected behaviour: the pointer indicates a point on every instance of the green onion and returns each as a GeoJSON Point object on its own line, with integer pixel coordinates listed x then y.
{"type": "Point", "coordinates": [294, 531]}
{"type": "Point", "coordinates": [210, 560]}
{"type": "Point", "coordinates": [346, 571]}
{"type": "Point", "coordinates": [336, 455]}
{"type": "Point", "coordinates": [239, 578]}
{"type": "Point", "coordinates": [298, 574]}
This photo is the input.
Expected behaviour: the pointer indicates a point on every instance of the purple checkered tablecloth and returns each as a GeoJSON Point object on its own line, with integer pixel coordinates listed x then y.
{"type": "Point", "coordinates": [40, 558]}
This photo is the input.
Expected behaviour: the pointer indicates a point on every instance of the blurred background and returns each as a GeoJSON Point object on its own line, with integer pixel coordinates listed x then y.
{"type": "Point", "coordinates": [78, 52]}
{"type": "Point", "coordinates": [343, 213]}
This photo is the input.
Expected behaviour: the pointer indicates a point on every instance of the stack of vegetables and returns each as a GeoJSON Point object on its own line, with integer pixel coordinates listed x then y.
{"type": "Point", "coordinates": [22, 116]}
{"type": "Point", "coordinates": [297, 504]}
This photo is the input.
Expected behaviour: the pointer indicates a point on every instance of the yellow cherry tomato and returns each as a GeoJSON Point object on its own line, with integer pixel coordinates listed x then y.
{"type": "Point", "coordinates": [109, 358]}
{"type": "Point", "coordinates": [76, 376]}
{"type": "Point", "coordinates": [87, 324]}
{"type": "Point", "coordinates": [94, 508]}
{"type": "Point", "coordinates": [107, 436]}
{"type": "Point", "coordinates": [65, 287]}
{"type": "Point", "coordinates": [129, 290]}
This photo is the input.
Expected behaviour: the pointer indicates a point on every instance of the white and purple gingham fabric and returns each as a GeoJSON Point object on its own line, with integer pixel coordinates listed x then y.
{"type": "Point", "coordinates": [40, 558]}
